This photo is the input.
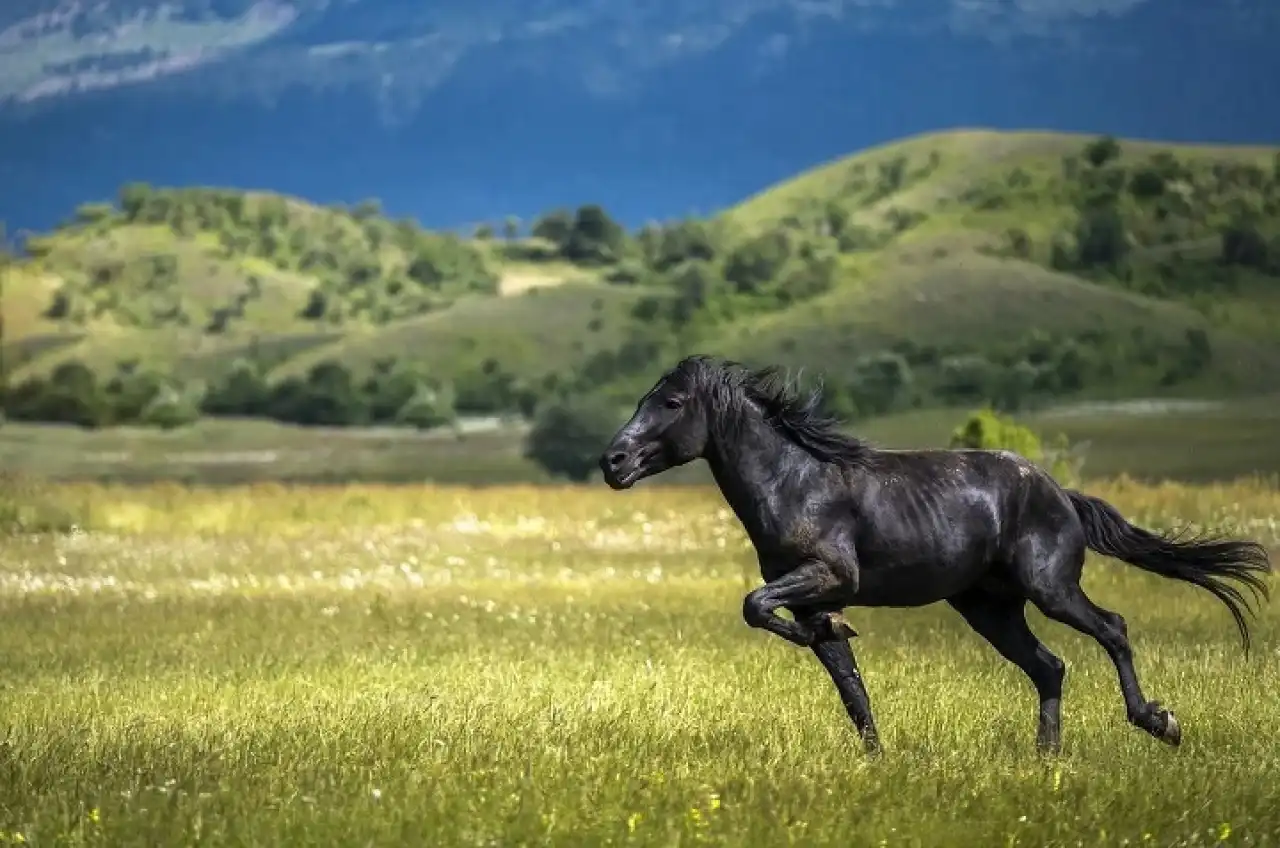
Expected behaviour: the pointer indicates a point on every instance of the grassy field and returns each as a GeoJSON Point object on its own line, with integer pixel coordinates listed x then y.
{"type": "Point", "coordinates": [521, 666]}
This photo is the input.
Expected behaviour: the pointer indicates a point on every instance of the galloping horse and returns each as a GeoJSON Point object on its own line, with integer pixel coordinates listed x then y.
{"type": "Point", "coordinates": [837, 523]}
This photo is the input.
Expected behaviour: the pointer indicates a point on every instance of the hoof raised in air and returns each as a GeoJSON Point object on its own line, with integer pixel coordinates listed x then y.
{"type": "Point", "coordinates": [840, 627]}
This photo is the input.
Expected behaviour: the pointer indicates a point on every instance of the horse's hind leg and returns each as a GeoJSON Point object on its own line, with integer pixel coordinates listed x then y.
{"type": "Point", "coordinates": [1056, 591]}
{"type": "Point", "coordinates": [1002, 621]}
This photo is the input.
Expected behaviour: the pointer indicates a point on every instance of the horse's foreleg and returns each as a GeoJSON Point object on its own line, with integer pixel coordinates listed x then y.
{"type": "Point", "coordinates": [813, 584]}
{"type": "Point", "coordinates": [837, 657]}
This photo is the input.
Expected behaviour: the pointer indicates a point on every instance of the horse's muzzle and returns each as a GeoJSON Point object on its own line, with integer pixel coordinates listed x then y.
{"type": "Point", "coordinates": [621, 467]}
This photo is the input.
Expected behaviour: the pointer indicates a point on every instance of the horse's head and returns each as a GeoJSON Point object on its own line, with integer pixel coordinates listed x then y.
{"type": "Point", "coordinates": [670, 427]}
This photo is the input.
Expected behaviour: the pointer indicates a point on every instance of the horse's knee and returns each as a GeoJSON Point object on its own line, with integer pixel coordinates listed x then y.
{"type": "Point", "coordinates": [754, 610]}
{"type": "Point", "coordinates": [1115, 634]}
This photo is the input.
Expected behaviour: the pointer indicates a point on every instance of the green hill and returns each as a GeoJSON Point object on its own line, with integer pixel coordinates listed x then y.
{"type": "Point", "coordinates": [944, 268]}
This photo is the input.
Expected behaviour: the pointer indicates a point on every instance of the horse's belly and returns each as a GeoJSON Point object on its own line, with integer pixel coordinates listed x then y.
{"type": "Point", "coordinates": [917, 581]}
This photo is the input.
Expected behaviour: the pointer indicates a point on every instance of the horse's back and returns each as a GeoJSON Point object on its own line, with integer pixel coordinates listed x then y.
{"type": "Point", "coordinates": [937, 521]}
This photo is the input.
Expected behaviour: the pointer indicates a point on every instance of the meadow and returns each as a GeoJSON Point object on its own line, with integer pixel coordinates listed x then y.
{"type": "Point", "coordinates": [539, 665]}
{"type": "Point", "coordinates": [1195, 441]}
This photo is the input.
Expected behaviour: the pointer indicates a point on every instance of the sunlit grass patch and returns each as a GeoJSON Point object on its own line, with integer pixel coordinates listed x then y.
{"type": "Point", "coordinates": [526, 665]}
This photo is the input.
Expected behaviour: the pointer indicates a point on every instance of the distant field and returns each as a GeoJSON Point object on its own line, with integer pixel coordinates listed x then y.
{"type": "Point", "coordinates": [214, 451]}
{"type": "Point", "coordinates": [1192, 442]}
{"type": "Point", "coordinates": [1196, 441]}
{"type": "Point", "coordinates": [548, 666]}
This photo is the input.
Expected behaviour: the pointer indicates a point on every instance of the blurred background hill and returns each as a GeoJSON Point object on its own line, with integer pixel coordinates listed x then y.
{"type": "Point", "coordinates": [360, 239]}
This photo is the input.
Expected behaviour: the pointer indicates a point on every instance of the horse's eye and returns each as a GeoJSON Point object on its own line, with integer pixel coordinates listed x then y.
{"type": "Point", "coordinates": [673, 403]}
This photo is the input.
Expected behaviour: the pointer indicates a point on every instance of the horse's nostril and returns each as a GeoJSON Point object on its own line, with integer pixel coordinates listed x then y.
{"type": "Point", "coordinates": [616, 459]}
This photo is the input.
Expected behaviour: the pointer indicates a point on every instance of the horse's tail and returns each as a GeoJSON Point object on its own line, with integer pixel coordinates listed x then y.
{"type": "Point", "coordinates": [1205, 561]}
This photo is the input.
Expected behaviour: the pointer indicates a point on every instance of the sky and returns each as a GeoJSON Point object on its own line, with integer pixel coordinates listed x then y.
{"type": "Point", "coordinates": [457, 111]}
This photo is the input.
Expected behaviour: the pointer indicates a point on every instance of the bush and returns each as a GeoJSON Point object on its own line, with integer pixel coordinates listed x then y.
{"type": "Point", "coordinates": [243, 391]}
{"type": "Point", "coordinates": [169, 409]}
{"type": "Point", "coordinates": [71, 395]}
{"type": "Point", "coordinates": [986, 430]}
{"type": "Point", "coordinates": [568, 436]}
{"type": "Point", "coordinates": [755, 263]}
{"type": "Point", "coordinates": [1102, 150]}
{"type": "Point", "coordinates": [881, 382]}
{"type": "Point", "coordinates": [328, 397]}
{"type": "Point", "coordinates": [429, 407]}
{"type": "Point", "coordinates": [968, 378]}
{"type": "Point", "coordinates": [492, 390]}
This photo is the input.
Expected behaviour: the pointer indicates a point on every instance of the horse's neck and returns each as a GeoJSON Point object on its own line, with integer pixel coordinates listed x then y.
{"type": "Point", "coordinates": [747, 470]}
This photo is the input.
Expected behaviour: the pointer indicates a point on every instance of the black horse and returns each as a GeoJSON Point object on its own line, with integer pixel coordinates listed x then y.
{"type": "Point", "coordinates": [837, 523]}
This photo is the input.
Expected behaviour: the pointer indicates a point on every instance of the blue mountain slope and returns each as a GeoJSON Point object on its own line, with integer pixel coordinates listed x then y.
{"type": "Point", "coordinates": [454, 112]}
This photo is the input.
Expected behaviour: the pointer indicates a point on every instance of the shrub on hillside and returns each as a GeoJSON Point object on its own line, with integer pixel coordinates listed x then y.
{"type": "Point", "coordinates": [967, 378]}
{"type": "Point", "coordinates": [130, 390]}
{"type": "Point", "coordinates": [567, 437]}
{"type": "Point", "coordinates": [170, 408]}
{"type": "Point", "coordinates": [70, 395]}
{"type": "Point", "coordinates": [881, 382]}
{"type": "Point", "coordinates": [242, 392]}
{"type": "Point", "coordinates": [493, 390]}
{"type": "Point", "coordinates": [1102, 150]}
{"type": "Point", "coordinates": [428, 407]}
{"type": "Point", "coordinates": [987, 430]}
{"type": "Point", "coordinates": [327, 396]}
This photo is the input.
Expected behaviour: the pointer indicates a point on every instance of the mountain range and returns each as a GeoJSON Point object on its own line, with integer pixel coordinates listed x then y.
{"type": "Point", "coordinates": [454, 112]}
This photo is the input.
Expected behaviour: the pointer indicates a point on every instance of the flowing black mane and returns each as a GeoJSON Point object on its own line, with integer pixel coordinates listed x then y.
{"type": "Point", "coordinates": [798, 416]}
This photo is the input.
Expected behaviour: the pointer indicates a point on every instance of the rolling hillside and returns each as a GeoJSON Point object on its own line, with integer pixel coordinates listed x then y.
{"type": "Point", "coordinates": [1157, 265]}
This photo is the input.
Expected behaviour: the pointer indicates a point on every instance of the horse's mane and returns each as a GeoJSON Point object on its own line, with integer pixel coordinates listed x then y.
{"type": "Point", "coordinates": [797, 416]}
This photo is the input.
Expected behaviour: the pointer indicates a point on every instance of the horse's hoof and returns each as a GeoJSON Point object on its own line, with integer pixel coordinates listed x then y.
{"type": "Point", "coordinates": [1048, 747]}
{"type": "Point", "coordinates": [840, 627]}
{"type": "Point", "coordinates": [1172, 734]}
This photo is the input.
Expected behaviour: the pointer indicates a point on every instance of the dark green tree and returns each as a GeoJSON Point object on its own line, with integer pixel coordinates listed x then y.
{"type": "Point", "coordinates": [70, 395]}
{"type": "Point", "coordinates": [244, 391]}
{"type": "Point", "coordinates": [594, 237]}
{"type": "Point", "coordinates": [568, 435]}
{"type": "Point", "coordinates": [681, 242]}
{"type": "Point", "coordinates": [754, 264]}
{"type": "Point", "coordinates": [130, 391]}
{"type": "Point", "coordinates": [1244, 245]}
{"type": "Point", "coordinates": [1101, 237]}
{"type": "Point", "coordinates": [428, 407]}
{"type": "Point", "coordinates": [1101, 151]}
{"type": "Point", "coordinates": [170, 409]}
{"type": "Point", "coordinates": [134, 198]}
{"type": "Point", "coordinates": [327, 397]}
{"type": "Point", "coordinates": [555, 226]}
{"type": "Point", "coordinates": [881, 382]}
